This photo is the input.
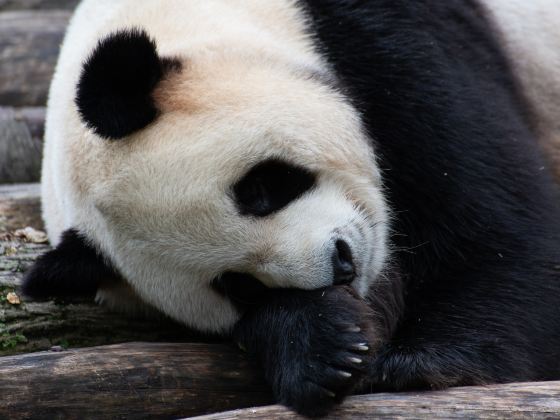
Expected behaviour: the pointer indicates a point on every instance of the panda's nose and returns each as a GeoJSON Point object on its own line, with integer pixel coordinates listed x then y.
{"type": "Point", "coordinates": [343, 264]}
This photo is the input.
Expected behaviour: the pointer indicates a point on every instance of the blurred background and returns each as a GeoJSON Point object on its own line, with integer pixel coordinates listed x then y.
{"type": "Point", "coordinates": [30, 35]}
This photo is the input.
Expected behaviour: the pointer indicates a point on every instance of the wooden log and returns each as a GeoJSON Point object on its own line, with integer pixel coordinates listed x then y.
{"type": "Point", "coordinates": [29, 325]}
{"type": "Point", "coordinates": [19, 207]}
{"type": "Point", "coordinates": [147, 380]}
{"type": "Point", "coordinates": [20, 191]}
{"type": "Point", "coordinates": [512, 401]}
{"type": "Point", "coordinates": [21, 133]}
{"type": "Point", "coordinates": [29, 46]}
{"type": "Point", "coordinates": [37, 4]}
{"type": "Point", "coordinates": [134, 380]}
{"type": "Point", "coordinates": [32, 117]}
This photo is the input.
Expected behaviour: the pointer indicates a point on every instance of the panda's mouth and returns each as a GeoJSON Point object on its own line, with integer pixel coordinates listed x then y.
{"type": "Point", "coordinates": [241, 289]}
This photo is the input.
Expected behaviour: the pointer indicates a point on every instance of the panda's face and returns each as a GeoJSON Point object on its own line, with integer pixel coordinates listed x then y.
{"type": "Point", "coordinates": [262, 171]}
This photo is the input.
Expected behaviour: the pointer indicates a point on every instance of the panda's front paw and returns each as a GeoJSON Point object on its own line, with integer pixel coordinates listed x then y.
{"type": "Point", "coordinates": [312, 377]}
{"type": "Point", "coordinates": [315, 346]}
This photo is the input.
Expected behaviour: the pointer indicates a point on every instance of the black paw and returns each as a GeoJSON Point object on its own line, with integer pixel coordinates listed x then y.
{"type": "Point", "coordinates": [315, 375]}
{"type": "Point", "coordinates": [315, 346]}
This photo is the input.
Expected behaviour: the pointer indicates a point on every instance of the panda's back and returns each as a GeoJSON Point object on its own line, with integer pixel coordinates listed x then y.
{"type": "Point", "coordinates": [530, 35]}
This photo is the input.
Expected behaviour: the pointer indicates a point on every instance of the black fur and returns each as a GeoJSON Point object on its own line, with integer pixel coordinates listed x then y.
{"type": "Point", "coordinates": [476, 227]}
{"type": "Point", "coordinates": [242, 289]}
{"type": "Point", "coordinates": [312, 351]}
{"type": "Point", "coordinates": [73, 268]}
{"type": "Point", "coordinates": [114, 93]}
{"type": "Point", "coordinates": [270, 186]}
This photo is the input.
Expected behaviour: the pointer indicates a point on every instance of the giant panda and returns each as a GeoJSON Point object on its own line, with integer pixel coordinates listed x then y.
{"type": "Point", "coordinates": [360, 193]}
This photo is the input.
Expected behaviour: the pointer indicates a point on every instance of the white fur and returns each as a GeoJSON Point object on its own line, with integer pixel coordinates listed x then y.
{"type": "Point", "coordinates": [159, 204]}
{"type": "Point", "coordinates": [530, 32]}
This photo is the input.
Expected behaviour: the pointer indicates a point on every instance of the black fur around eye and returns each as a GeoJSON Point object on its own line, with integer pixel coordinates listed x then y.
{"type": "Point", "coordinates": [270, 186]}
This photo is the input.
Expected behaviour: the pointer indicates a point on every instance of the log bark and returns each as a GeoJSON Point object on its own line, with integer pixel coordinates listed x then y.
{"type": "Point", "coordinates": [147, 380]}
{"type": "Point", "coordinates": [30, 325]}
{"type": "Point", "coordinates": [37, 4]}
{"type": "Point", "coordinates": [134, 380]}
{"type": "Point", "coordinates": [29, 46]}
{"type": "Point", "coordinates": [19, 207]}
{"type": "Point", "coordinates": [32, 117]}
{"type": "Point", "coordinates": [512, 401]}
{"type": "Point", "coordinates": [21, 134]}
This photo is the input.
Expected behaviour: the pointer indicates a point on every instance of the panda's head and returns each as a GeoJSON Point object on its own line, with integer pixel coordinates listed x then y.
{"type": "Point", "coordinates": [195, 168]}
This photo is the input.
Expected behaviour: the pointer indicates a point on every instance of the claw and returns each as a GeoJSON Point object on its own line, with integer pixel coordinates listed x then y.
{"type": "Point", "coordinates": [344, 374]}
{"type": "Point", "coordinates": [354, 329]}
{"type": "Point", "coordinates": [329, 393]}
{"type": "Point", "coordinates": [361, 347]}
{"type": "Point", "coordinates": [355, 360]}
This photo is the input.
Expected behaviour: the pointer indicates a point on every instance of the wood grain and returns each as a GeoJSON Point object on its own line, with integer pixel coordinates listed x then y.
{"type": "Point", "coordinates": [29, 46]}
{"type": "Point", "coordinates": [21, 134]}
{"type": "Point", "coordinates": [134, 380]}
{"type": "Point", "coordinates": [37, 4]}
{"type": "Point", "coordinates": [147, 380]}
{"type": "Point", "coordinates": [32, 117]}
{"type": "Point", "coordinates": [30, 191]}
{"type": "Point", "coordinates": [512, 401]}
{"type": "Point", "coordinates": [19, 208]}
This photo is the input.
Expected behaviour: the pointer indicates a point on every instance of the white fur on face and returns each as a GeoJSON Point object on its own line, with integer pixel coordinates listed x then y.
{"type": "Point", "coordinates": [160, 202]}
{"type": "Point", "coordinates": [170, 219]}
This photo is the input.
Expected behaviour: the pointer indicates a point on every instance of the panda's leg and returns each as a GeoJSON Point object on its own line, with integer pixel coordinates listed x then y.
{"type": "Point", "coordinates": [119, 297]}
{"type": "Point", "coordinates": [315, 346]}
{"type": "Point", "coordinates": [464, 341]}
{"type": "Point", "coordinates": [73, 268]}
{"type": "Point", "coordinates": [76, 269]}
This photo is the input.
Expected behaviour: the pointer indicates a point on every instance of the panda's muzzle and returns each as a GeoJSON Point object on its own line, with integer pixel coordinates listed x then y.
{"type": "Point", "coordinates": [344, 269]}
{"type": "Point", "coordinates": [245, 290]}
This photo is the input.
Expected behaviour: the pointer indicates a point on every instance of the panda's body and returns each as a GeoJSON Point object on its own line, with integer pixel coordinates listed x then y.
{"type": "Point", "coordinates": [435, 108]}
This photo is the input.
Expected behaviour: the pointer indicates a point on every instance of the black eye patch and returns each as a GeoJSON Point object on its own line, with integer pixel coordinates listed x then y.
{"type": "Point", "coordinates": [271, 185]}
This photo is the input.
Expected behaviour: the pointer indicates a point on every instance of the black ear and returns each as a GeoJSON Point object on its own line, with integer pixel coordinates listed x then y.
{"type": "Point", "coordinates": [73, 268]}
{"type": "Point", "coordinates": [114, 94]}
